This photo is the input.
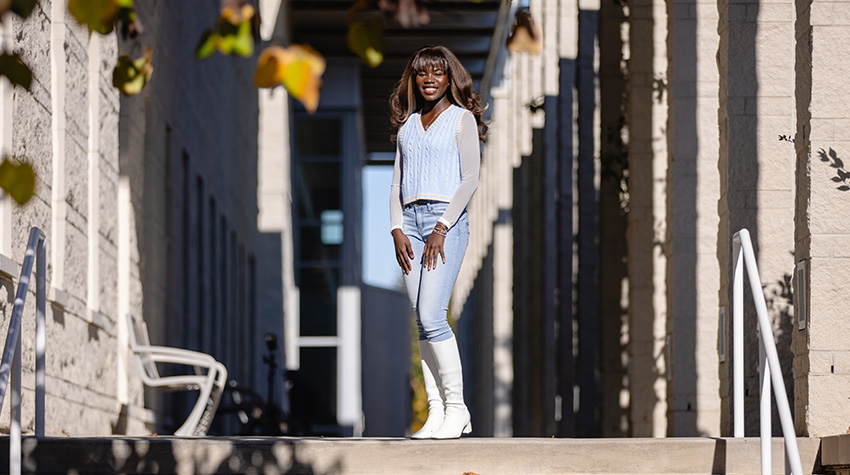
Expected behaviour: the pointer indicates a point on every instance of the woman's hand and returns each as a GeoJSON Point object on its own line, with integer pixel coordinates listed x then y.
{"type": "Point", "coordinates": [434, 247]}
{"type": "Point", "coordinates": [403, 250]}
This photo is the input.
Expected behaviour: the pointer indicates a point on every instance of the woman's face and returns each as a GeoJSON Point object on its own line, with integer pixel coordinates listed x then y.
{"type": "Point", "coordinates": [432, 84]}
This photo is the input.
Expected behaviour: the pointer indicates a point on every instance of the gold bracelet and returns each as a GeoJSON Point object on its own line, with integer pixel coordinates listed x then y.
{"type": "Point", "coordinates": [440, 231]}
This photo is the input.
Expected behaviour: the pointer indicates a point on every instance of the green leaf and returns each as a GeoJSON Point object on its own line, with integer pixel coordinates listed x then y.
{"type": "Point", "coordinates": [98, 15]}
{"type": "Point", "coordinates": [13, 68]}
{"type": "Point", "coordinates": [233, 34]}
{"type": "Point", "coordinates": [208, 45]}
{"type": "Point", "coordinates": [130, 76]}
{"type": "Point", "coordinates": [243, 42]}
{"type": "Point", "coordinates": [18, 180]}
{"type": "Point", "coordinates": [23, 8]}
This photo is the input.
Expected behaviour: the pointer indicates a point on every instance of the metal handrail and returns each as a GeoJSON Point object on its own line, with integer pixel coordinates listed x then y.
{"type": "Point", "coordinates": [10, 364]}
{"type": "Point", "coordinates": [770, 370]}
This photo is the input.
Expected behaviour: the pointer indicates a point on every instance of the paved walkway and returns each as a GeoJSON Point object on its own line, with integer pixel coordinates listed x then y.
{"type": "Point", "coordinates": [483, 456]}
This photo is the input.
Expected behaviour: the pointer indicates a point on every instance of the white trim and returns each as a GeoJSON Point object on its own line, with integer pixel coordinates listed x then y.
{"type": "Point", "coordinates": [93, 278]}
{"type": "Point", "coordinates": [57, 199]}
{"type": "Point", "coordinates": [721, 335]}
{"type": "Point", "coordinates": [801, 307]}
{"type": "Point", "coordinates": [319, 342]}
{"type": "Point", "coordinates": [349, 391]}
{"type": "Point", "coordinates": [125, 211]}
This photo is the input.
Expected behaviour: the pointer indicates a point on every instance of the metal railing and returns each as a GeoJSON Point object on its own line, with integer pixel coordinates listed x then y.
{"type": "Point", "coordinates": [10, 364]}
{"type": "Point", "coordinates": [770, 371]}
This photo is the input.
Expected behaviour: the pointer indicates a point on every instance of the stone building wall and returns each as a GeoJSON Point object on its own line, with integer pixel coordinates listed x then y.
{"type": "Point", "coordinates": [820, 344]}
{"type": "Point", "coordinates": [756, 172]}
{"type": "Point", "coordinates": [149, 204]}
{"type": "Point", "coordinates": [189, 148]}
{"type": "Point", "coordinates": [67, 127]}
{"type": "Point", "coordinates": [647, 119]}
{"type": "Point", "coordinates": [693, 405]}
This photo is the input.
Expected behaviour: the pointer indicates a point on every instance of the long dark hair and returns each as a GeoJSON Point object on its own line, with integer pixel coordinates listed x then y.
{"type": "Point", "coordinates": [405, 99]}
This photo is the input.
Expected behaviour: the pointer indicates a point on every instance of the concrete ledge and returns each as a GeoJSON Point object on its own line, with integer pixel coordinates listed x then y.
{"type": "Point", "coordinates": [398, 456]}
{"type": "Point", "coordinates": [102, 321]}
{"type": "Point", "coordinates": [836, 450]}
{"type": "Point", "coordinates": [9, 268]}
{"type": "Point", "coordinates": [58, 297]}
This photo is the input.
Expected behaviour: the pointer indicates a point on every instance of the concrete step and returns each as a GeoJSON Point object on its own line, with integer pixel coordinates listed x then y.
{"type": "Point", "coordinates": [206, 455]}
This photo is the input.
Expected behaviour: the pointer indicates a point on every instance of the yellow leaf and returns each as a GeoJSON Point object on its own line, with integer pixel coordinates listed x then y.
{"type": "Point", "coordinates": [17, 179]}
{"type": "Point", "coordinates": [366, 40]}
{"type": "Point", "coordinates": [270, 67]}
{"type": "Point", "coordinates": [299, 67]}
{"type": "Point", "coordinates": [239, 16]}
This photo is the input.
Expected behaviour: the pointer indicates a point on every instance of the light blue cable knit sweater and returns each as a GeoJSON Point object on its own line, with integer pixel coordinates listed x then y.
{"type": "Point", "coordinates": [431, 157]}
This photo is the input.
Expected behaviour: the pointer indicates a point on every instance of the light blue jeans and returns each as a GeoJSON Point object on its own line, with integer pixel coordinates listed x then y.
{"type": "Point", "coordinates": [430, 290]}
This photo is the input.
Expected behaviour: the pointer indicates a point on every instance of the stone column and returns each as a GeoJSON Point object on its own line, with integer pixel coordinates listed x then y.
{"type": "Point", "coordinates": [755, 178]}
{"type": "Point", "coordinates": [646, 228]}
{"type": "Point", "coordinates": [693, 189]}
{"type": "Point", "coordinates": [821, 232]}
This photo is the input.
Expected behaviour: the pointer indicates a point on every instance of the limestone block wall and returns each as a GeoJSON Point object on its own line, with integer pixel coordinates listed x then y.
{"type": "Point", "coordinates": [821, 349]}
{"type": "Point", "coordinates": [66, 126]}
{"type": "Point", "coordinates": [520, 80]}
{"type": "Point", "coordinates": [149, 205]}
{"type": "Point", "coordinates": [756, 172]}
{"type": "Point", "coordinates": [647, 121]}
{"type": "Point", "coordinates": [693, 404]}
{"type": "Point", "coordinates": [189, 148]}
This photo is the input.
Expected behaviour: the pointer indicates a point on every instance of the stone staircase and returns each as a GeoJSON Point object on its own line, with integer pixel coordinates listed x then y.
{"type": "Point", "coordinates": [206, 455]}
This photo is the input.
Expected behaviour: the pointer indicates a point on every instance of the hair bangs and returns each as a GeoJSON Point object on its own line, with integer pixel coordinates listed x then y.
{"type": "Point", "coordinates": [430, 59]}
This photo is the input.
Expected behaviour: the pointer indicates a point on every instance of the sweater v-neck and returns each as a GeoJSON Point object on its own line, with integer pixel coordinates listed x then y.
{"type": "Point", "coordinates": [422, 128]}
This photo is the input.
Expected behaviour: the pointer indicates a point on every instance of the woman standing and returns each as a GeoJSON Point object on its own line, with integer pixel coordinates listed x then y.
{"type": "Point", "coordinates": [438, 121]}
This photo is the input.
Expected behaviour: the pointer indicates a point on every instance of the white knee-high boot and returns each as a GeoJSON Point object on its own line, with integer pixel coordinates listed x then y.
{"type": "Point", "coordinates": [457, 420]}
{"type": "Point", "coordinates": [434, 391]}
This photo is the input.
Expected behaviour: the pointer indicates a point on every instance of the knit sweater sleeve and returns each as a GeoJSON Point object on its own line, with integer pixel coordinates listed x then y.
{"type": "Point", "coordinates": [470, 162]}
{"type": "Point", "coordinates": [395, 194]}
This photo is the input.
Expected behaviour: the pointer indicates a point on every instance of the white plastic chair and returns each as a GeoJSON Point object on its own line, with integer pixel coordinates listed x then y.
{"type": "Point", "coordinates": [209, 378]}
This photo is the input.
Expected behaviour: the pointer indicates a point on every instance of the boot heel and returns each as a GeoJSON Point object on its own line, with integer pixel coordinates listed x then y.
{"type": "Point", "coordinates": [468, 428]}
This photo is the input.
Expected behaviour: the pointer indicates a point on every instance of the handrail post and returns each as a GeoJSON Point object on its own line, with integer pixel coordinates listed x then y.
{"type": "Point", "coordinates": [10, 362]}
{"type": "Point", "coordinates": [772, 368]}
{"type": "Point", "coordinates": [738, 337]}
{"type": "Point", "coordinates": [15, 414]}
{"type": "Point", "coordinates": [766, 430]}
{"type": "Point", "coordinates": [40, 333]}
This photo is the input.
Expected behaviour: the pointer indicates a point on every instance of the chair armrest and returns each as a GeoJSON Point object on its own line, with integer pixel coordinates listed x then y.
{"type": "Point", "coordinates": [203, 358]}
{"type": "Point", "coordinates": [162, 354]}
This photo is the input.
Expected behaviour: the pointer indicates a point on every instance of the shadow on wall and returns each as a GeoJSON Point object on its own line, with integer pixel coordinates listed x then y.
{"type": "Point", "coordinates": [841, 174]}
{"type": "Point", "coordinates": [163, 455]}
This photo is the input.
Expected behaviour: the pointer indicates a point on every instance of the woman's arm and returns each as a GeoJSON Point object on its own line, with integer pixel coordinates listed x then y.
{"type": "Point", "coordinates": [403, 249]}
{"type": "Point", "coordinates": [395, 193]}
{"type": "Point", "coordinates": [470, 163]}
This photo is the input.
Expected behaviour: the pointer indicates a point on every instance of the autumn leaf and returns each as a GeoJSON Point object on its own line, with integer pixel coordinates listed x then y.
{"type": "Point", "coordinates": [233, 34]}
{"type": "Point", "coordinates": [298, 67]}
{"type": "Point", "coordinates": [130, 75]}
{"type": "Point", "coordinates": [525, 35]}
{"type": "Point", "coordinates": [17, 179]}
{"type": "Point", "coordinates": [97, 15]}
{"type": "Point", "coordinates": [366, 40]}
{"type": "Point", "coordinates": [15, 70]}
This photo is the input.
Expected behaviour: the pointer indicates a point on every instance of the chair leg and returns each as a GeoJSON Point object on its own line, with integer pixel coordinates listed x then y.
{"type": "Point", "coordinates": [189, 428]}
{"type": "Point", "coordinates": [212, 403]}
